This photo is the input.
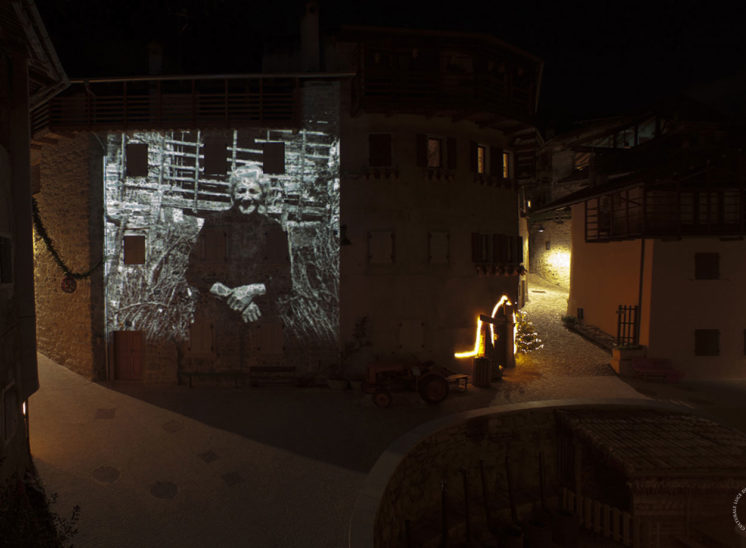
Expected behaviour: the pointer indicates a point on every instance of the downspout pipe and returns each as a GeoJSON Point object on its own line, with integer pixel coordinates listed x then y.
{"type": "Point", "coordinates": [639, 290]}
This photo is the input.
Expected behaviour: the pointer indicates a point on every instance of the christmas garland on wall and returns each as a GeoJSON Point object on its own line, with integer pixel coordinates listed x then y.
{"type": "Point", "coordinates": [42, 232]}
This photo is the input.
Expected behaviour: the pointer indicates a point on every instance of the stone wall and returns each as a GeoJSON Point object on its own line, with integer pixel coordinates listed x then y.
{"type": "Point", "coordinates": [414, 490]}
{"type": "Point", "coordinates": [64, 320]}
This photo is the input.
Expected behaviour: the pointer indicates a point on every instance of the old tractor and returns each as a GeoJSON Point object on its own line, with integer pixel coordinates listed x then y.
{"type": "Point", "coordinates": [432, 382]}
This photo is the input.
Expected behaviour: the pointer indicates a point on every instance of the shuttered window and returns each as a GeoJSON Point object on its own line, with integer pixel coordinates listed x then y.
{"type": "Point", "coordinates": [216, 156]}
{"type": "Point", "coordinates": [706, 342]}
{"type": "Point", "coordinates": [6, 260]}
{"type": "Point", "coordinates": [134, 249]}
{"type": "Point", "coordinates": [137, 159]}
{"type": "Point", "coordinates": [379, 150]}
{"type": "Point", "coordinates": [706, 266]}
{"type": "Point", "coordinates": [274, 158]}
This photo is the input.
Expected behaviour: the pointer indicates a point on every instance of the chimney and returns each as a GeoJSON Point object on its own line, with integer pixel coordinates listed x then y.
{"type": "Point", "coordinates": [309, 38]}
{"type": "Point", "coordinates": [155, 58]}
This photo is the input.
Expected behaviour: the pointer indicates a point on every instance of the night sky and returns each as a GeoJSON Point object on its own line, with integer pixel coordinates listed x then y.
{"type": "Point", "coordinates": [601, 58]}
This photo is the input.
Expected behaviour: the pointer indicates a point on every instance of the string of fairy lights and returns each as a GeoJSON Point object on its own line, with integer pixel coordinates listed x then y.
{"type": "Point", "coordinates": [42, 233]}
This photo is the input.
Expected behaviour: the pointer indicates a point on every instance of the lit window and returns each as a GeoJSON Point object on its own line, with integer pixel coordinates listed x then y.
{"type": "Point", "coordinates": [706, 342]}
{"type": "Point", "coordinates": [481, 159]}
{"type": "Point", "coordinates": [506, 165]}
{"type": "Point", "coordinates": [433, 152]}
{"type": "Point", "coordinates": [706, 266]}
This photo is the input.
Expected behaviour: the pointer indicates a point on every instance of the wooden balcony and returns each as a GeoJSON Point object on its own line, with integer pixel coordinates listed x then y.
{"type": "Point", "coordinates": [481, 97]}
{"type": "Point", "coordinates": [175, 102]}
{"type": "Point", "coordinates": [637, 212]}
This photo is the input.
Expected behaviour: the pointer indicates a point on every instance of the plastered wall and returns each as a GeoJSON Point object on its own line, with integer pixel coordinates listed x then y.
{"type": "Point", "coordinates": [682, 304]}
{"type": "Point", "coordinates": [414, 307]}
{"type": "Point", "coordinates": [606, 275]}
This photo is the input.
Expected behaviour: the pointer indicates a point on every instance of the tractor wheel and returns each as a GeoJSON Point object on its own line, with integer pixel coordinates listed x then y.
{"type": "Point", "coordinates": [382, 399]}
{"type": "Point", "coordinates": [433, 388]}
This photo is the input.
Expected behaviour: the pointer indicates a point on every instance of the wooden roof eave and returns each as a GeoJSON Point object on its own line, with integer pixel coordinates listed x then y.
{"type": "Point", "coordinates": [358, 33]}
{"type": "Point", "coordinates": [45, 68]}
{"type": "Point", "coordinates": [626, 181]}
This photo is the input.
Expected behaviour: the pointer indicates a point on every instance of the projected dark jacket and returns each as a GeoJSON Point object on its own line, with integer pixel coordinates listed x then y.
{"type": "Point", "coordinates": [236, 249]}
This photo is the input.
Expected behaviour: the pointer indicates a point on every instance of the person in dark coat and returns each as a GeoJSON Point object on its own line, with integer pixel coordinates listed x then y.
{"type": "Point", "coordinates": [240, 265]}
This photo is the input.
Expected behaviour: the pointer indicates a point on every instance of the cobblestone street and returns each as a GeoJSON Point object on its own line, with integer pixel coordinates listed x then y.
{"type": "Point", "coordinates": [278, 466]}
{"type": "Point", "coordinates": [568, 366]}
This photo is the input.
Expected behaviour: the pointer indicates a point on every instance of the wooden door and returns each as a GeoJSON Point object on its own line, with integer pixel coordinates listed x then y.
{"type": "Point", "coordinates": [128, 355]}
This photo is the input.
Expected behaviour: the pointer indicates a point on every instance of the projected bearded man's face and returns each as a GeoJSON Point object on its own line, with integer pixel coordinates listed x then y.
{"type": "Point", "coordinates": [248, 195]}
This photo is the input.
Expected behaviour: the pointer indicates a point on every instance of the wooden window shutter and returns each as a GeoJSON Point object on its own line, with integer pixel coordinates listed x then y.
{"type": "Point", "coordinates": [501, 250]}
{"type": "Point", "coordinates": [476, 247]}
{"type": "Point", "coordinates": [496, 162]}
{"type": "Point", "coordinates": [452, 151]}
{"type": "Point", "coordinates": [274, 158]}
{"type": "Point", "coordinates": [6, 260]}
{"type": "Point", "coordinates": [706, 342]}
{"type": "Point", "coordinates": [137, 160]}
{"type": "Point", "coordinates": [473, 156]}
{"type": "Point", "coordinates": [706, 266]}
{"type": "Point", "coordinates": [421, 150]}
{"type": "Point", "coordinates": [515, 255]}
{"type": "Point", "coordinates": [379, 150]}
{"type": "Point", "coordinates": [134, 249]}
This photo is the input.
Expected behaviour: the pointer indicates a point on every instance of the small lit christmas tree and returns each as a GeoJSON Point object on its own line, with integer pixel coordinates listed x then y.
{"type": "Point", "coordinates": [526, 338]}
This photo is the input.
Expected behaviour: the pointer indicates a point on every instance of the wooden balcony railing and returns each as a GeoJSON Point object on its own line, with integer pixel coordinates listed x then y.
{"type": "Point", "coordinates": [385, 90]}
{"type": "Point", "coordinates": [636, 212]}
{"type": "Point", "coordinates": [176, 102]}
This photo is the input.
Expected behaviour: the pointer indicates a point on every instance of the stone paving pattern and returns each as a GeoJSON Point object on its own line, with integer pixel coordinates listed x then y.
{"type": "Point", "coordinates": [164, 465]}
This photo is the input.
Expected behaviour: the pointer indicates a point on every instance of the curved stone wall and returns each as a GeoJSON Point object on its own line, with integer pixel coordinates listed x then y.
{"type": "Point", "coordinates": [406, 482]}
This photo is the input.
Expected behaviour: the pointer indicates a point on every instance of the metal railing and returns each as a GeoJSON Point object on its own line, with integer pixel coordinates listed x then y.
{"type": "Point", "coordinates": [627, 325]}
{"type": "Point", "coordinates": [176, 102]}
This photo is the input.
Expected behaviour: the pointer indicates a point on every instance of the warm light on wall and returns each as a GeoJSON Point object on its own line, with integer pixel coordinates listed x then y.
{"type": "Point", "coordinates": [478, 342]}
{"type": "Point", "coordinates": [23, 408]}
{"type": "Point", "coordinates": [559, 259]}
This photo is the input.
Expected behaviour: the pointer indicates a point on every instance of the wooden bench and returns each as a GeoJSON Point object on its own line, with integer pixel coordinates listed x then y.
{"type": "Point", "coordinates": [255, 375]}
{"type": "Point", "coordinates": [461, 381]}
{"type": "Point", "coordinates": [272, 375]}
{"type": "Point", "coordinates": [236, 376]}
{"type": "Point", "coordinates": [656, 369]}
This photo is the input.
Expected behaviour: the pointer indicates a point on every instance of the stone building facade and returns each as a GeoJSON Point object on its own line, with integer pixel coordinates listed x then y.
{"type": "Point", "coordinates": [427, 232]}
{"type": "Point", "coordinates": [92, 204]}
{"type": "Point", "coordinates": [30, 73]}
{"type": "Point", "coordinates": [70, 212]}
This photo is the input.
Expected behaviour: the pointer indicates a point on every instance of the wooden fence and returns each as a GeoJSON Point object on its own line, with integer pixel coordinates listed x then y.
{"type": "Point", "coordinates": [611, 522]}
